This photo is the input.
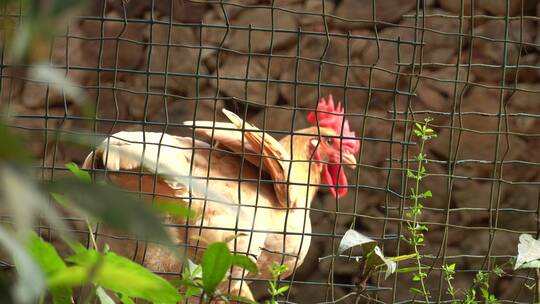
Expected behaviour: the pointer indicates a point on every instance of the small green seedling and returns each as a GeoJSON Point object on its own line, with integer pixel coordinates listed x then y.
{"type": "Point", "coordinates": [274, 290]}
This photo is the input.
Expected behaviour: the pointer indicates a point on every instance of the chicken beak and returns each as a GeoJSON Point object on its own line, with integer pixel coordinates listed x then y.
{"type": "Point", "coordinates": [349, 160]}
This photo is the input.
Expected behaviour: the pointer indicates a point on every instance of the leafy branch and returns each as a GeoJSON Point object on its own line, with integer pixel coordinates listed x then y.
{"type": "Point", "coordinates": [417, 230]}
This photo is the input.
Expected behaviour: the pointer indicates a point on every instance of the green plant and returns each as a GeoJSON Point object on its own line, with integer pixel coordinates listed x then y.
{"type": "Point", "coordinates": [216, 260]}
{"type": "Point", "coordinates": [480, 283]}
{"type": "Point", "coordinates": [274, 290]}
{"type": "Point", "coordinates": [417, 230]}
{"type": "Point", "coordinates": [448, 271]}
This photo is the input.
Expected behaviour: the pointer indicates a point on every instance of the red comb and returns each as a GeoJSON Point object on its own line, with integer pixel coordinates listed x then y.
{"type": "Point", "coordinates": [327, 115]}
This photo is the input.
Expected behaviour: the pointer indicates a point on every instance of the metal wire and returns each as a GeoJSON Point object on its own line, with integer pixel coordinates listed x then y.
{"type": "Point", "coordinates": [478, 237]}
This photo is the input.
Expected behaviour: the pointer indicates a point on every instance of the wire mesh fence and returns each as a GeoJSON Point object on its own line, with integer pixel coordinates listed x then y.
{"type": "Point", "coordinates": [472, 66]}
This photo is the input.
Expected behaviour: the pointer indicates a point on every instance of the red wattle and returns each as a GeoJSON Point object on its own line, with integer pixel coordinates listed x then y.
{"type": "Point", "coordinates": [339, 183]}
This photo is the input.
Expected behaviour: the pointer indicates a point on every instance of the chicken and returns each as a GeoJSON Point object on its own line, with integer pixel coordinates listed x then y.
{"type": "Point", "coordinates": [252, 191]}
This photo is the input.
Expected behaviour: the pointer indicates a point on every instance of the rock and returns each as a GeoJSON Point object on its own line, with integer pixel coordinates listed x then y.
{"type": "Point", "coordinates": [261, 41]}
{"type": "Point", "coordinates": [176, 58]}
{"type": "Point", "coordinates": [36, 94]}
{"type": "Point", "coordinates": [110, 109]}
{"type": "Point", "coordinates": [232, 81]}
{"type": "Point", "coordinates": [179, 110]}
{"type": "Point", "coordinates": [498, 7]}
{"type": "Point", "coordinates": [182, 10]}
{"type": "Point", "coordinates": [68, 51]}
{"type": "Point", "coordinates": [359, 41]}
{"type": "Point", "coordinates": [333, 75]}
{"type": "Point", "coordinates": [12, 85]}
{"type": "Point", "coordinates": [438, 48]}
{"type": "Point", "coordinates": [342, 212]}
{"type": "Point", "coordinates": [232, 10]}
{"type": "Point", "coordinates": [142, 101]}
{"type": "Point", "coordinates": [241, 38]}
{"type": "Point", "coordinates": [526, 72]}
{"type": "Point", "coordinates": [31, 122]}
{"type": "Point", "coordinates": [279, 119]}
{"type": "Point", "coordinates": [455, 6]}
{"type": "Point", "coordinates": [538, 27]}
{"type": "Point", "coordinates": [491, 7]}
{"type": "Point", "coordinates": [506, 288]}
{"type": "Point", "coordinates": [476, 242]}
{"type": "Point", "coordinates": [436, 88]}
{"type": "Point", "coordinates": [477, 138]}
{"type": "Point", "coordinates": [133, 8]}
{"type": "Point", "coordinates": [215, 30]}
{"type": "Point", "coordinates": [463, 197]}
{"type": "Point", "coordinates": [287, 3]}
{"type": "Point", "coordinates": [360, 11]}
{"type": "Point", "coordinates": [520, 197]}
{"type": "Point", "coordinates": [524, 101]}
{"type": "Point", "coordinates": [315, 10]}
{"type": "Point", "coordinates": [68, 58]}
{"type": "Point", "coordinates": [126, 38]}
{"type": "Point", "coordinates": [489, 49]}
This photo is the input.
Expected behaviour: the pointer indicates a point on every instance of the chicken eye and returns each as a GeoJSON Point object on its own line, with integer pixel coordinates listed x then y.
{"type": "Point", "coordinates": [328, 141]}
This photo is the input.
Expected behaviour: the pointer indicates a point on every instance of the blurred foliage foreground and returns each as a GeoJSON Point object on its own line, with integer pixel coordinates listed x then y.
{"type": "Point", "coordinates": [37, 273]}
{"type": "Point", "coordinates": [88, 272]}
{"type": "Point", "coordinates": [42, 274]}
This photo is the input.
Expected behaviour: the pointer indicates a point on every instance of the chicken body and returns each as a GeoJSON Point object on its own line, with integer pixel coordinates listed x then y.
{"type": "Point", "coordinates": [251, 194]}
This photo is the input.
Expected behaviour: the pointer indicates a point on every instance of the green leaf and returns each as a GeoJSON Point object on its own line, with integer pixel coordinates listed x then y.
{"type": "Point", "coordinates": [103, 297]}
{"type": "Point", "coordinates": [62, 7]}
{"type": "Point", "coordinates": [354, 238]}
{"type": "Point", "coordinates": [47, 257]}
{"type": "Point", "coordinates": [117, 274]}
{"type": "Point", "coordinates": [282, 289]}
{"type": "Point", "coordinates": [216, 261]}
{"type": "Point", "coordinates": [71, 276]}
{"type": "Point", "coordinates": [45, 254]}
{"type": "Point", "coordinates": [402, 257]}
{"type": "Point", "coordinates": [77, 247]}
{"type": "Point", "coordinates": [410, 269]}
{"type": "Point", "coordinates": [60, 199]}
{"type": "Point", "coordinates": [25, 202]}
{"type": "Point", "coordinates": [421, 227]}
{"type": "Point", "coordinates": [125, 299]}
{"type": "Point", "coordinates": [528, 250]}
{"type": "Point", "coordinates": [245, 262]}
{"type": "Point", "coordinates": [12, 148]}
{"type": "Point", "coordinates": [240, 299]}
{"type": "Point", "coordinates": [20, 43]}
{"type": "Point", "coordinates": [450, 268]}
{"type": "Point", "coordinates": [192, 291]}
{"type": "Point", "coordinates": [485, 293]}
{"type": "Point", "coordinates": [81, 174]}
{"type": "Point", "coordinates": [114, 207]}
{"type": "Point", "coordinates": [31, 281]}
